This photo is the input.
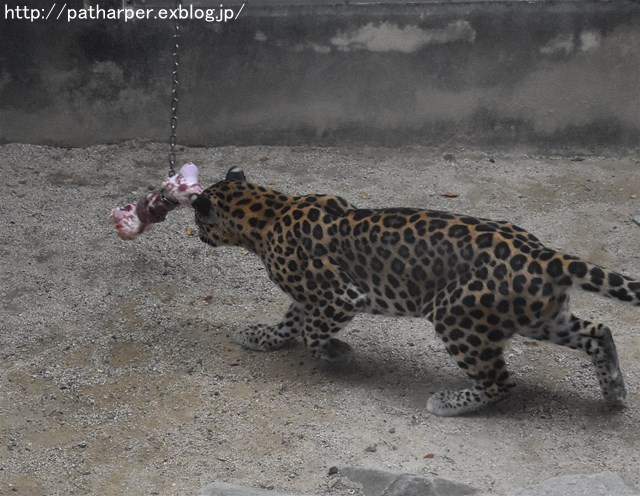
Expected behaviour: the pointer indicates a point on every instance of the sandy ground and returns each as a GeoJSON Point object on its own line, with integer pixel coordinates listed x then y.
{"type": "Point", "coordinates": [118, 374]}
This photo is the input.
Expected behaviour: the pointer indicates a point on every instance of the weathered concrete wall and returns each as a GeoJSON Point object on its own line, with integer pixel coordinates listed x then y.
{"type": "Point", "coordinates": [543, 72]}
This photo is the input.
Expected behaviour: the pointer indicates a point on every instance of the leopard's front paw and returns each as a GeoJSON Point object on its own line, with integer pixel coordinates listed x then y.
{"type": "Point", "coordinates": [335, 351]}
{"type": "Point", "coordinates": [451, 403]}
{"type": "Point", "coordinates": [258, 337]}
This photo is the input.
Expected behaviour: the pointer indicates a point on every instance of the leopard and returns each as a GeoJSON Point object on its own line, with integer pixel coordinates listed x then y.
{"type": "Point", "coordinates": [479, 282]}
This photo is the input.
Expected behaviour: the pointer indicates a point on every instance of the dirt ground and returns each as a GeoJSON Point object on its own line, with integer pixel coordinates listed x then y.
{"type": "Point", "coordinates": [118, 374]}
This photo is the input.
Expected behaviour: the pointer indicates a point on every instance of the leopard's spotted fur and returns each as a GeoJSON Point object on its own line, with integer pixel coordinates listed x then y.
{"type": "Point", "coordinates": [478, 281]}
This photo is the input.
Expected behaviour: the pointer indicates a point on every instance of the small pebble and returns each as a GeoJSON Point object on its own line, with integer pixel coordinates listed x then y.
{"type": "Point", "coordinates": [333, 470]}
{"type": "Point", "coordinates": [372, 449]}
{"type": "Point", "coordinates": [636, 219]}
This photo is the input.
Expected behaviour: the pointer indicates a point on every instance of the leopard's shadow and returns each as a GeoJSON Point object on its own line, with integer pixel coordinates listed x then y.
{"type": "Point", "coordinates": [410, 380]}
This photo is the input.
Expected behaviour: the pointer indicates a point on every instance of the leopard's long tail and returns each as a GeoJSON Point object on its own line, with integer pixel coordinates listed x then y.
{"type": "Point", "coordinates": [573, 271]}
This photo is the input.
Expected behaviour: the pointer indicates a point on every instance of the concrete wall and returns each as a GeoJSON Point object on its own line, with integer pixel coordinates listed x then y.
{"type": "Point", "coordinates": [476, 71]}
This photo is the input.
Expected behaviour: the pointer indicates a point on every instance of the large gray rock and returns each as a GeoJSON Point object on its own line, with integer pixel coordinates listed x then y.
{"type": "Point", "coordinates": [603, 484]}
{"type": "Point", "coordinates": [382, 483]}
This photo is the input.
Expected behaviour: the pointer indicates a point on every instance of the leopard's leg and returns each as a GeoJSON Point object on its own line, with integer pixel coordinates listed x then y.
{"type": "Point", "coordinates": [318, 335]}
{"type": "Point", "coordinates": [596, 341]}
{"type": "Point", "coordinates": [485, 366]}
{"type": "Point", "coordinates": [476, 341]}
{"type": "Point", "coordinates": [324, 320]}
{"type": "Point", "coordinates": [263, 337]}
{"type": "Point", "coordinates": [333, 307]}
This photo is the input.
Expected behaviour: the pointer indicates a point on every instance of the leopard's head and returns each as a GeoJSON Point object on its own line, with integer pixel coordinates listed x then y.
{"type": "Point", "coordinates": [212, 218]}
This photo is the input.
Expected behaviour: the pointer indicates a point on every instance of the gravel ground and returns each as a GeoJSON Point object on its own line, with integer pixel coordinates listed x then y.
{"type": "Point", "coordinates": [118, 374]}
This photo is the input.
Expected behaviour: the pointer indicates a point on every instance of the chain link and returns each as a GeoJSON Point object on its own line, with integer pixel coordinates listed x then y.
{"type": "Point", "coordinates": [174, 96]}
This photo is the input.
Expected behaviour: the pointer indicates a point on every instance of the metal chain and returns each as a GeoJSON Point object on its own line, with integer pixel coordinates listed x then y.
{"type": "Point", "coordinates": [174, 96]}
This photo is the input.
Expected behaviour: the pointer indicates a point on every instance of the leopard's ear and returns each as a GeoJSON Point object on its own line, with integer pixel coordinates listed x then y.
{"type": "Point", "coordinates": [235, 174]}
{"type": "Point", "coordinates": [202, 204]}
